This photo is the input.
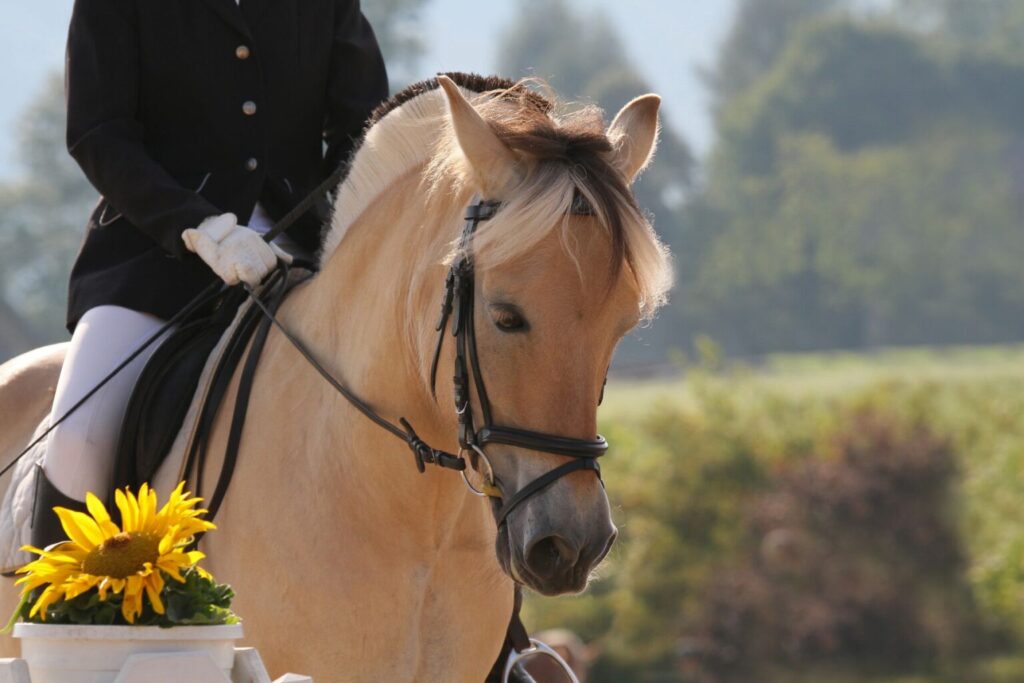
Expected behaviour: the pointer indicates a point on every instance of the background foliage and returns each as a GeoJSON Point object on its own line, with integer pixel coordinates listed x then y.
{"type": "Point", "coordinates": [816, 518]}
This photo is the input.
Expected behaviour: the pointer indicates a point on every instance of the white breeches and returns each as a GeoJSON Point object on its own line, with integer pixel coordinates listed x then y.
{"type": "Point", "coordinates": [80, 451]}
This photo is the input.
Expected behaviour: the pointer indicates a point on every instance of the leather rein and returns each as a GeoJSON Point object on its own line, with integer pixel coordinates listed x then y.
{"type": "Point", "coordinates": [457, 306]}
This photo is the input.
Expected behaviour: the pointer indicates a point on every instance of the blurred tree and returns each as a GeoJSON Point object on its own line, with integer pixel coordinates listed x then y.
{"type": "Point", "coordinates": [995, 26]}
{"type": "Point", "coordinates": [396, 24]}
{"type": "Point", "coordinates": [864, 191]}
{"type": "Point", "coordinates": [593, 66]}
{"type": "Point", "coordinates": [41, 220]}
{"type": "Point", "coordinates": [863, 85]}
{"type": "Point", "coordinates": [760, 33]}
{"type": "Point", "coordinates": [15, 332]}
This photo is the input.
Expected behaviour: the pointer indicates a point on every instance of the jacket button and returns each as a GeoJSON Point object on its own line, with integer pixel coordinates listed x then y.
{"type": "Point", "coordinates": [248, 107]}
{"type": "Point", "coordinates": [252, 164]}
{"type": "Point", "coordinates": [242, 52]}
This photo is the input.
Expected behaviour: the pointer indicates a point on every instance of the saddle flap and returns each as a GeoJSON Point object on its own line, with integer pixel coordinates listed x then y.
{"type": "Point", "coordinates": [164, 391]}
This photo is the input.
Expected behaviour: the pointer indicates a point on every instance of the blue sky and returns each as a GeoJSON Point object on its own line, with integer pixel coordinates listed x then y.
{"type": "Point", "coordinates": [666, 39]}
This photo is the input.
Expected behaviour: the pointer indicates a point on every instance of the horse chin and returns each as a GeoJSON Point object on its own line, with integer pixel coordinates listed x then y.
{"type": "Point", "coordinates": [574, 585]}
{"type": "Point", "coordinates": [507, 559]}
{"type": "Point", "coordinates": [503, 551]}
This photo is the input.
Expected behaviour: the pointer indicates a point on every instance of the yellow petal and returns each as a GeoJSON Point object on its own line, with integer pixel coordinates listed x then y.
{"type": "Point", "coordinates": [79, 586]}
{"type": "Point", "coordinates": [129, 509]}
{"type": "Point", "coordinates": [80, 528]}
{"type": "Point", "coordinates": [132, 605]}
{"type": "Point", "coordinates": [99, 512]}
{"type": "Point", "coordinates": [174, 501]}
{"type": "Point", "coordinates": [65, 552]}
{"type": "Point", "coordinates": [154, 598]}
{"type": "Point", "coordinates": [144, 505]}
{"type": "Point", "coordinates": [47, 598]}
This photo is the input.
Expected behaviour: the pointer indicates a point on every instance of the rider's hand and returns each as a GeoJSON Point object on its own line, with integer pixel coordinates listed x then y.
{"type": "Point", "coordinates": [234, 252]}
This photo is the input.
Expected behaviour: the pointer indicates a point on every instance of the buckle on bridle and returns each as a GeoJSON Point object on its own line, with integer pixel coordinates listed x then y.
{"type": "Point", "coordinates": [425, 455]}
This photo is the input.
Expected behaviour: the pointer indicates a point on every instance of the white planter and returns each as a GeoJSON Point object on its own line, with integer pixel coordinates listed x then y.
{"type": "Point", "coordinates": [96, 654]}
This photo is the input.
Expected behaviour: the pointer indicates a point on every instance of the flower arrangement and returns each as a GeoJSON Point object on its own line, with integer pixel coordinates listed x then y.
{"type": "Point", "coordinates": [139, 573]}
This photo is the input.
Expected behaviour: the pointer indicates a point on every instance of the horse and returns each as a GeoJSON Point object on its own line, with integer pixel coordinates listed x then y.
{"type": "Point", "coordinates": [348, 562]}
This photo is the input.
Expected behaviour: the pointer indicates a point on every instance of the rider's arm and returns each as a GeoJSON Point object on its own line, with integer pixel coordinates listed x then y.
{"type": "Point", "coordinates": [357, 83]}
{"type": "Point", "coordinates": [104, 135]}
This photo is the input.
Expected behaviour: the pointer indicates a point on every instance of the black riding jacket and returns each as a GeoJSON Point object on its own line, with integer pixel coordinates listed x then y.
{"type": "Point", "coordinates": [183, 109]}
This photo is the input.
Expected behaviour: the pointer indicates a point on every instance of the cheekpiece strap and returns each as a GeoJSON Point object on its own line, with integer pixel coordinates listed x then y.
{"type": "Point", "coordinates": [482, 210]}
{"type": "Point", "coordinates": [580, 205]}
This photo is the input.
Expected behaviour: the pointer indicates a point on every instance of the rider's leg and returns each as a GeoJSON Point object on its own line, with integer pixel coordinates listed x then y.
{"type": "Point", "coordinates": [80, 450]}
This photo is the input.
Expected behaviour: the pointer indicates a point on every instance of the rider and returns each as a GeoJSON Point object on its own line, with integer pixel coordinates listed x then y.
{"type": "Point", "coordinates": [200, 123]}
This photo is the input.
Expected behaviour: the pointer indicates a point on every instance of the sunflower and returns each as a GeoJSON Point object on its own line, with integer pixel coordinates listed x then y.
{"type": "Point", "coordinates": [133, 559]}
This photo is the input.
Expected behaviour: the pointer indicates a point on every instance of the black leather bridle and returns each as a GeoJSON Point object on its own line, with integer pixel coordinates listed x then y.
{"type": "Point", "coordinates": [459, 298]}
{"type": "Point", "coordinates": [457, 306]}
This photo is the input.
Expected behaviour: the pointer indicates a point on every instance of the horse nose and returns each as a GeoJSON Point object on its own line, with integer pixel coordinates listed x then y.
{"type": "Point", "coordinates": [560, 564]}
{"type": "Point", "coordinates": [552, 558]}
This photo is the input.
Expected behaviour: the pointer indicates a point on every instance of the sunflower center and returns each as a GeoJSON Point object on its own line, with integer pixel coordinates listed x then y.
{"type": "Point", "coordinates": [122, 555]}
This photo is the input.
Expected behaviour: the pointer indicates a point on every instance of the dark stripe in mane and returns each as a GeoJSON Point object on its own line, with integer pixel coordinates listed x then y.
{"type": "Point", "coordinates": [474, 82]}
{"type": "Point", "coordinates": [578, 142]}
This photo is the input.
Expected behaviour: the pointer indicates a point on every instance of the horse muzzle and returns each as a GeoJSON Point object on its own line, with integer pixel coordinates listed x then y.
{"type": "Point", "coordinates": [553, 558]}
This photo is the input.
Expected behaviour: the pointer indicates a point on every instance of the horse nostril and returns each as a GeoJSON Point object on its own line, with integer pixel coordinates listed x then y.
{"type": "Point", "coordinates": [551, 556]}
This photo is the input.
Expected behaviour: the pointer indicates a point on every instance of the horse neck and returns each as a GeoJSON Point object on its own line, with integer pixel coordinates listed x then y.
{"type": "Point", "coordinates": [354, 315]}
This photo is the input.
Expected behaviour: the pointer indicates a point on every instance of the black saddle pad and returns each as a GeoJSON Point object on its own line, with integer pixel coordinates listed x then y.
{"type": "Point", "coordinates": [165, 388]}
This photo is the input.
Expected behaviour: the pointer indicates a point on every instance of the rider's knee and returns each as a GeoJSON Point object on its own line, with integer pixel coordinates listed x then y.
{"type": "Point", "coordinates": [77, 439]}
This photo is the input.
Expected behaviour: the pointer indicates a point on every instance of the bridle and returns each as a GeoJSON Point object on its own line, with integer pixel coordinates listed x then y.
{"type": "Point", "coordinates": [459, 299]}
{"type": "Point", "coordinates": [457, 305]}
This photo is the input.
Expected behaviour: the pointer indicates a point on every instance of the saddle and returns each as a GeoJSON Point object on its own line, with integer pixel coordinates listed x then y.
{"type": "Point", "coordinates": [170, 381]}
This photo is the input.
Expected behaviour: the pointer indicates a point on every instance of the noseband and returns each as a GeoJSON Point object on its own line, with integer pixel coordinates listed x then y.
{"type": "Point", "coordinates": [459, 298]}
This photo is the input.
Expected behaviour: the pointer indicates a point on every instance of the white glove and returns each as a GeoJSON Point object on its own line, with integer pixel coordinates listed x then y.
{"type": "Point", "coordinates": [234, 252]}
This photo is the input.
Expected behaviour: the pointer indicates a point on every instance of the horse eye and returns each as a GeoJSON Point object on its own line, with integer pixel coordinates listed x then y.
{"type": "Point", "coordinates": [507, 319]}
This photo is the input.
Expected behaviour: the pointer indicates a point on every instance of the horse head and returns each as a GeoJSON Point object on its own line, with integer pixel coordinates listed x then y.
{"type": "Point", "coordinates": [563, 270]}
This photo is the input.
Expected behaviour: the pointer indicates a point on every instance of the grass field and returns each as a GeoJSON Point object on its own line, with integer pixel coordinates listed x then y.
{"type": "Point", "coordinates": [826, 375]}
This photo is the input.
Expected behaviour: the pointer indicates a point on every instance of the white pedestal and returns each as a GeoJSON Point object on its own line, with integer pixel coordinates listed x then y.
{"type": "Point", "coordinates": [173, 667]}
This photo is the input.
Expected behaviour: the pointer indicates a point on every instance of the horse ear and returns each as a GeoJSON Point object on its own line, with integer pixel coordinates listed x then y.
{"type": "Point", "coordinates": [494, 164]}
{"type": "Point", "coordinates": [634, 133]}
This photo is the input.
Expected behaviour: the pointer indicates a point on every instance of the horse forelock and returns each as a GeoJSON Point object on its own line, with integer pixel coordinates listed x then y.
{"type": "Point", "coordinates": [563, 155]}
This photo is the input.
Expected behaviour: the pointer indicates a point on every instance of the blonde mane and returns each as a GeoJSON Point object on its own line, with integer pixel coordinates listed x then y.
{"type": "Point", "coordinates": [563, 156]}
